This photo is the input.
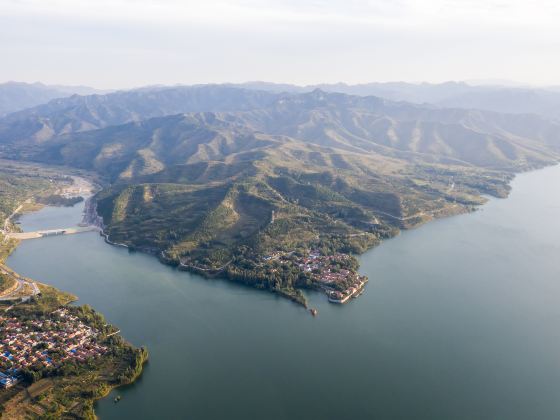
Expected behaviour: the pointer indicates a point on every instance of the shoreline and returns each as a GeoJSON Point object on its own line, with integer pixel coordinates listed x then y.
{"type": "Point", "coordinates": [92, 218]}
{"type": "Point", "coordinates": [299, 297]}
{"type": "Point", "coordinates": [106, 386]}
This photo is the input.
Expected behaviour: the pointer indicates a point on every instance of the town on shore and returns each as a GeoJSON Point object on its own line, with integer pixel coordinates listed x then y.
{"type": "Point", "coordinates": [334, 274]}
{"type": "Point", "coordinates": [44, 342]}
{"type": "Point", "coordinates": [56, 359]}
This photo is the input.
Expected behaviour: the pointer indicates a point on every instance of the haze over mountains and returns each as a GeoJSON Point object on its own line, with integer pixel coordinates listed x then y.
{"type": "Point", "coordinates": [15, 96]}
{"type": "Point", "coordinates": [499, 98]}
{"type": "Point", "coordinates": [496, 96]}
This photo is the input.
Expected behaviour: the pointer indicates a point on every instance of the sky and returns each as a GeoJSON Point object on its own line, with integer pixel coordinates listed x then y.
{"type": "Point", "coordinates": [128, 43]}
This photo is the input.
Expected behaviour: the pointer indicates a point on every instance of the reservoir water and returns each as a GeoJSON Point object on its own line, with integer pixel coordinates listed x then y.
{"type": "Point", "coordinates": [460, 320]}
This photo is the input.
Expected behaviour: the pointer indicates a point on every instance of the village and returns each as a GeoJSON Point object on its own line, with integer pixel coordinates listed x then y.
{"type": "Point", "coordinates": [44, 343]}
{"type": "Point", "coordinates": [334, 274]}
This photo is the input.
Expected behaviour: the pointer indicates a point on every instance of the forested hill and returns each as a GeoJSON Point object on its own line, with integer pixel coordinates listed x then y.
{"type": "Point", "coordinates": [215, 178]}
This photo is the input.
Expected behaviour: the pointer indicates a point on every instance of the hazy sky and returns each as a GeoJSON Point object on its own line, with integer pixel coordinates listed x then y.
{"type": "Point", "coordinates": [126, 43]}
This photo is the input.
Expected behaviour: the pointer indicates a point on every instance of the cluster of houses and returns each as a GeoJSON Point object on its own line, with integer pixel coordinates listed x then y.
{"type": "Point", "coordinates": [325, 271]}
{"type": "Point", "coordinates": [353, 291]}
{"type": "Point", "coordinates": [330, 272]}
{"type": "Point", "coordinates": [322, 267]}
{"type": "Point", "coordinates": [44, 343]}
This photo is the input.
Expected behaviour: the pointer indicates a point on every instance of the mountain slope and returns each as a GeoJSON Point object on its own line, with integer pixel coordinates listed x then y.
{"type": "Point", "coordinates": [349, 124]}
{"type": "Point", "coordinates": [83, 113]}
{"type": "Point", "coordinates": [16, 96]}
{"type": "Point", "coordinates": [233, 176]}
{"type": "Point", "coordinates": [256, 178]}
{"type": "Point", "coordinates": [503, 99]}
{"type": "Point", "coordinates": [407, 131]}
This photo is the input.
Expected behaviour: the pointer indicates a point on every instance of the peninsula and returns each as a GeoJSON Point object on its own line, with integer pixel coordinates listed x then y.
{"type": "Point", "coordinates": [247, 184]}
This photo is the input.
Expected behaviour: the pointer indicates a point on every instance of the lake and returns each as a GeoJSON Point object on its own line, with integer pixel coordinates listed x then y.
{"type": "Point", "coordinates": [460, 320]}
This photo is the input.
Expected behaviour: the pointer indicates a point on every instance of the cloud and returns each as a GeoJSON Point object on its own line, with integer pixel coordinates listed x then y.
{"type": "Point", "coordinates": [115, 43]}
{"type": "Point", "coordinates": [396, 12]}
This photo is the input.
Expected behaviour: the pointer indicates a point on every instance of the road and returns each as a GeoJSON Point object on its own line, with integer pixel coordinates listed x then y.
{"type": "Point", "coordinates": [22, 283]}
{"type": "Point", "coordinates": [431, 213]}
{"type": "Point", "coordinates": [7, 221]}
{"type": "Point", "coordinates": [53, 232]}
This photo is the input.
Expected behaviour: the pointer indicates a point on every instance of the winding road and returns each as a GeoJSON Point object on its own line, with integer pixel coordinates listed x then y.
{"type": "Point", "coordinates": [19, 291]}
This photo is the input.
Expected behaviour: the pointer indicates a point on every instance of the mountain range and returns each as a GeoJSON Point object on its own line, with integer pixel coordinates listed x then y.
{"type": "Point", "coordinates": [497, 98]}
{"type": "Point", "coordinates": [339, 121]}
{"type": "Point", "coordinates": [217, 176]}
{"type": "Point", "coordinates": [15, 96]}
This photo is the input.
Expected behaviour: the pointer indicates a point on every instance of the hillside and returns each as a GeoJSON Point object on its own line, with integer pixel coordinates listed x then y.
{"type": "Point", "coordinates": [369, 125]}
{"type": "Point", "coordinates": [83, 113]}
{"type": "Point", "coordinates": [496, 98]}
{"type": "Point", "coordinates": [242, 183]}
{"type": "Point", "coordinates": [16, 96]}
{"type": "Point", "coordinates": [20, 182]}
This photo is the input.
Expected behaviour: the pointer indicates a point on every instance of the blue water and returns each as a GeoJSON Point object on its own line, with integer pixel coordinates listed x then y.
{"type": "Point", "coordinates": [460, 320]}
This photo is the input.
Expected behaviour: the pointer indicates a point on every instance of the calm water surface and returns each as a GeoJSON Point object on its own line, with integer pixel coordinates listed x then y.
{"type": "Point", "coordinates": [460, 320]}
